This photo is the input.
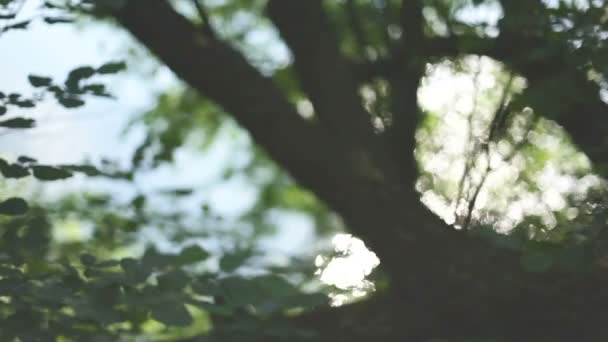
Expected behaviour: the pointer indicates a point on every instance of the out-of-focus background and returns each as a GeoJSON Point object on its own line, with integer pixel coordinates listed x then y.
{"type": "Point", "coordinates": [177, 172]}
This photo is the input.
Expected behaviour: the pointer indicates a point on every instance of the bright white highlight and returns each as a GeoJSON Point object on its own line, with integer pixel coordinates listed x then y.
{"type": "Point", "coordinates": [348, 269]}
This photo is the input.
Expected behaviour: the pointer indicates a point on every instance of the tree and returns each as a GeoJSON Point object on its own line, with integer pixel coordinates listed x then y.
{"type": "Point", "coordinates": [360, 64]}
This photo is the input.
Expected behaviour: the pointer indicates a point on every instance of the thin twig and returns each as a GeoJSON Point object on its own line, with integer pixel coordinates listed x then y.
{"type": "Point", "coordinates": [501, 110]}
{"type": "Point", "coordinates": [497, 121]}
{"type": "Point", "coordinates": [473, 200]}
{"type": "Point", "coordinates": [471, 142]}
{"type": "Point", "coordinates": [206, 23]}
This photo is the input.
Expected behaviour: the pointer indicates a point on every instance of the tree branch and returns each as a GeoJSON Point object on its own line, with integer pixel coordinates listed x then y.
{"type": "Point", "coordinates": [323, 72]}
{"type": "Point", "coordinates": [223, 75]}
{"type": "Point", "coordinates": [404, 79]}
{"type": "Point", "coordinates": [347, 178]}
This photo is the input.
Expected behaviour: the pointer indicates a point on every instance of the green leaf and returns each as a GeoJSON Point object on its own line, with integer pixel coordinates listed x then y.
{"type": "Point", "coordinates": [112, 68]}
{"type": "Point", "coordinates": [107, 263]}
{"type": "Point", "coordinates": [3, 110]}
{"type": "Point", "coordinates": [134, 270]}
{"type": "Point", "coordinates": [175, 280]}
{"type": "Point", "coordinates": [49, 173]}
{"type": "Point", "coordinates": [178, 192]}
{"type": "Point", "coordinates": [240, 291]}
{"type": "Point", "coordinates": [25, 104]}
{"type": "Point", "coordinates": [13, 206]}
{"type": "Point", "coordinates": [88, 170]}
{"type": "Point", "coordinates": [18, 26]}
{"type": "Point", "coordinates": [87, 259]}
{"type": "Point", "coordinates": [129, 265]}
{"type": "Point", "coordinates": [152, 259]}
{"type": "Point", "coordinates": [38, 81]}
{"type": "Point", "coordinates": [12, 170]}
{"type": "Point", "coordinates": [55, 90]}
{"type": "Point", "coordinates": [96, 89]}
{"type": "Point", "coordinates": [80, 73]}
{"type": "Point", "coordinates": [25, 159]}
{"type": "Point", "coordinates": [192, 254]}
{"type": "Point", "coordinates": [100, 313]}
{"type": "Point", "coordinates": [172, 314]}
{"type": "Point", "coordinates": [17, 123]}
{"type": "Point", "coordinates": [58, 20]}
{"type": "Point", "coordinates": [207, 287]}
{"type": "Point", "coordinates": [70, 102]}
{"type": "Point", "coordinates": [231, 261]}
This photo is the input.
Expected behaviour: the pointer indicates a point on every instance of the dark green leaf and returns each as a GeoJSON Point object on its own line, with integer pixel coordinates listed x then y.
{"type": "Point", "coordinates": [55, 90]}
{"type": "Point", "coordinates": [49, 173]}
{"type": "Point", "coordinates": [231, 261]}
{"type": "Point", "coordinates": [107, 263]}
{"type": "Point", "coordinates": [88, 170]}
{"type": "Point", "coordinates": [87, 259]}
{"type": "Point", "coordinates": [58, 20]}
{"type": "Point", "coordinates": [96, 89]}
{"type": "Point", "coordinates": [152, 259]}
{"type": "Point", "coordinates": [139, 154]}
{"type": "Point", "coordinates": [13, 206]}
{"type": "Point", "coordinates": [25, 159]}
{"type": "Point", "coordinates": [38, 81]}
{"type": "Point", "coordinates": [207, 287]}
{"type": "Point", "coordinates": [12, 170]}
{"type": "Point", "coordinates": [3, 110]}
{"type": "Point", "coordinates": [172, 314]}
{"type": "Point", "coordinates": [18, 26]}
{"type": "Point", "coordinates": [192, 254]}
{"type": "Point", "coordinates": [70, 102]}
{"type": "Point", "coordinates": [175, 280]}
{"type": "Point", "coordinates": [138, 202]}
{"type": "Point", "coordinates": [112, 68]}
{"type": "Point", "coordinates": [134, 270]}
{"type": "Point", "coordinates": [239, 291]}
{"type": "Point", "coordinates": [80, 73]}
{"type": "Point", "coordinates": [129, 265]}
{"type": "Point", "coordinates": [25, 104]}
{"type": "Point", "coordinates": [178, 192]}
{"type": "Point", "coordinates": [17, 123]}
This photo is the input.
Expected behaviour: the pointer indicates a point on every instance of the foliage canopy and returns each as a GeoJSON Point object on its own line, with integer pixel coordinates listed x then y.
{"type": "Point", "coordinates": [463, 140]}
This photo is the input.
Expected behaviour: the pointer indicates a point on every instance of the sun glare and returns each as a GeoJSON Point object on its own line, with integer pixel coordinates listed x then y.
{"type": "Point", "coordinates": [348, 269]}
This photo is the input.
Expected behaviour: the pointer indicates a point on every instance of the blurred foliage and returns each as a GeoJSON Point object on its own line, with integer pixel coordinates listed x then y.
{"type": "Point", "coordinates": [88, 267]}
